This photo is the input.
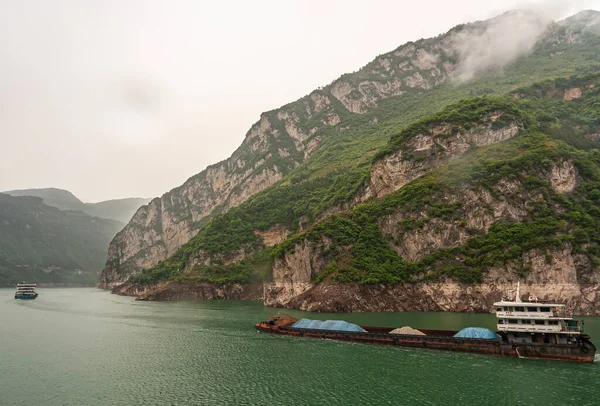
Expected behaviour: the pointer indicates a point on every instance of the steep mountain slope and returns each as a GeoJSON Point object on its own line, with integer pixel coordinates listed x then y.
{"type": "Point", "coordinates": [588, 20]}
{"type": "Point", "coordinates": [59, 198]}
{"type": "Point", "coordinates": [457, 206]}
{"type": "Point", "coordinates": [460, 219]}
{"type": "Point", "coordinates": [118, 210]}
{"type": "Point", "coordinates": [318, 149]}
{"type": "Point", "coordinates": [44, 244]}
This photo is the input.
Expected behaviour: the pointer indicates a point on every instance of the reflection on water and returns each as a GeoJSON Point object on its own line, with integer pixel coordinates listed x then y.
{"type": "Point", "coordinates": [87, 347]}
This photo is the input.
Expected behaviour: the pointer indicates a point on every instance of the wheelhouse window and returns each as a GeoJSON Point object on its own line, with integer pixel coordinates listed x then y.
{"type": "Point", "coordinates": [499, 309]}
{"type": "Point", "coordinates": [519, 309]}
{"type": "Point", "coordinates": [505, 308]}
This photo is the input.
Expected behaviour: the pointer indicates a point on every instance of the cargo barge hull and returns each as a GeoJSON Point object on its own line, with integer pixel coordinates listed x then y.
{"type": "Point", "coordinates": [581, 351]}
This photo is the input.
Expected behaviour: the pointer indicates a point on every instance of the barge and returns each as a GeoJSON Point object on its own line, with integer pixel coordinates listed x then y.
{"type": "Point", "coordinates": [525, 329]}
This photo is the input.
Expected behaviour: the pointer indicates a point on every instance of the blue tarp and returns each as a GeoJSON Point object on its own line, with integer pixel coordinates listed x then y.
{"type": "Point", "coordinates": [337, 325]}
{"type": "Point", "coordinates": [476, 332]}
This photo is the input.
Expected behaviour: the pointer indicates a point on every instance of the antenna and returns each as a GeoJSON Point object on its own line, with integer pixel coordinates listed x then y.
{"type": "Point", "coordinates": [518, 298]}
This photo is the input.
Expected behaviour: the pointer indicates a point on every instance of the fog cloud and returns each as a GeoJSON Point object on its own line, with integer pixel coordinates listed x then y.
{"type": "Point", "coordinates": [491, 46]}
{"type": "Point", "coordinates": [482, 49]}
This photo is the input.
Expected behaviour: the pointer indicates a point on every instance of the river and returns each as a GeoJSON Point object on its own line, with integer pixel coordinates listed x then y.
{"type": "Point", "coordinates": [78, 346]}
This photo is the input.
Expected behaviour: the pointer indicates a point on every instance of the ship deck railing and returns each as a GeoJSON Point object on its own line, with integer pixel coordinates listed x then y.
{"type": "Point", "coordinates": [572, 329]}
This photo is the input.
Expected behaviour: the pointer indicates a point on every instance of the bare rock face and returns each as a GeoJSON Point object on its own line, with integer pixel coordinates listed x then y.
{"type": "Point", "coordinates": [572, 94]}
{"type": "Point", "coordinates": [592, 137]}
{"type": "Point", "coordinates": [254, 184]}
{"type": "Point", "coordinates": [434, 297]}
{"type": "Point", "coordinates": [412, 67]}
{"type": "Point", "coordinates": [204, 291]}
{"type": "Point", "coordinates": [165, 224]}
{"type": "Point", "coordinates": [365, 96]}
{"type": "Point", "coordinates": [283, 138]}
{"type": "Point", "coordinates": [274, 235]}
{"type": "Point", "coordinates": [564, 177]}
{"type": "Point", "coordinates": [480, 208]}
{"type": "Point", "coordinates": [158, 229]}
{"type": "Point", "coordinates": [555, 273]}
{"type": "Point", "coordinates": [293, 274]}
{"type": "Point", "coordinates": [425, 152]}
{"type": "Point", "coordinates": [192, 291]}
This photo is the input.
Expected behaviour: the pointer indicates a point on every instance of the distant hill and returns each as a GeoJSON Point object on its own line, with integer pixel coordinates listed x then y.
{"type": "Point", "coordinates": [59, 198]}
{"type": "Point", "coordinates": [119, 209]}
{"type": "Point", "coordinates": [44, 244]}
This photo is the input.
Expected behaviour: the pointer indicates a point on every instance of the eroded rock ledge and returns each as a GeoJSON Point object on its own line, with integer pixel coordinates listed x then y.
{"type": "Point", "coordinates": [334, 297]}
{"type": "Point", "coordinates": [428, 297]}
{"type": "Point", "coordinates": [191, 291]}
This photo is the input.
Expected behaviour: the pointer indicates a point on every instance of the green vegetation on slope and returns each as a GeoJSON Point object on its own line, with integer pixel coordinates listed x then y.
{"type": "Point", "coordinates": [335, 173]}
{"type": "Point", "coordinates": [358, 252]}
{"type": "Point", "coordinates": [44, 244]}
{"type": "Point", "coordinates": [59, 198]}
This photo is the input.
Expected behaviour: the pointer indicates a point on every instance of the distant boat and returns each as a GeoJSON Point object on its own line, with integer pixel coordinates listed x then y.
{"type": "Point", "coordinates": [26, 291]}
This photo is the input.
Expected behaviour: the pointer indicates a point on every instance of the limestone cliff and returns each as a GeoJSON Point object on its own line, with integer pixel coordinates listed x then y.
{"type": "Point", "coordinates": [273, 146]}
{"type": "Point", "coordinates": [276, 144]}
{"type": "Point", "coordinates": [454, 217]}
{"type": "Point", "coordinates": [192, 291]}
{"type": "Point", "coordinates": [567, 278]}
{"type": "Point", "coordinates": [424, 152]}
{"type": "Point", "coordinates": [557, 273]}
{"type": "Point", "coordinates": [446, 216]}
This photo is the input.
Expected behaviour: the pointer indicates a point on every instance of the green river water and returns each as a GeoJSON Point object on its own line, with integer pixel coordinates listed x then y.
{"type": "Point", "coordinates": [88, 347]}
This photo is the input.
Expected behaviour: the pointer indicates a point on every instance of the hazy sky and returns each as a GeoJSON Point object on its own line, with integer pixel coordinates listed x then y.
{"type": "Point", "coordinates": [113, 99]}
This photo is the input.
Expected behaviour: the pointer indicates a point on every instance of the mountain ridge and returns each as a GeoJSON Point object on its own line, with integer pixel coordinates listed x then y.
{"type": "Point", "coordinates": [521, 206]}
{"type": "Point", "coordinates": [44, 244]}
{"type": "Point", "coordinates": [60, 198]}
{"type": "Point", "coordinates": [115, 209]}
{"type": "Point", "coordinates": [230, 248]}
{"type": "Point", "coordinates": [520, 215]}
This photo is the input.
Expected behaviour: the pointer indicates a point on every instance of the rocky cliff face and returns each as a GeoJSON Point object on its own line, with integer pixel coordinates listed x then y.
{"type": "Point", "coordinates": [277, 143]}
{"type": "Point", "coordinates": [415, 233]}
{"type": "Point", "coordinates": [442, 229]}
{"type": "Point", "coordinates": [558, 275]}
{"type": "Point", "coordinates": [191, 291]}
{"type": "Point", "coordinates": [273, 146]}
{"type": "Point", "coordinates": [427, 151]}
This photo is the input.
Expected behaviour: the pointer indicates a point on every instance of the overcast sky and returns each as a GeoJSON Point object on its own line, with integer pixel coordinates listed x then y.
{"type": "Point", "coordinates": [112, 99]}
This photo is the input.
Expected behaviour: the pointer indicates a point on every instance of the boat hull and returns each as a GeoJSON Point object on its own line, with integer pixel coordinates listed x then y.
{"type": "Point", "coordinates": [584, 351]}
{"type": "Point", "coordinates": [26, 297]}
